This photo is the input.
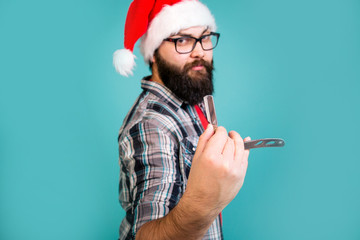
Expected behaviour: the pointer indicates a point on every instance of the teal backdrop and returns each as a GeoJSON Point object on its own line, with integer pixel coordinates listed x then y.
{"type": "Point", "coordinates": [284, 68]}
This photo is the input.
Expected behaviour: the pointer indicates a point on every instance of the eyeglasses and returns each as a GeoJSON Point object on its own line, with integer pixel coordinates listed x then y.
{"type": "Point", "coordinates": [187, 44]}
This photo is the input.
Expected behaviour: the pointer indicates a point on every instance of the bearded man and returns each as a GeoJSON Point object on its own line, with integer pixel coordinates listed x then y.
{"type": "Point", "coordinates": [176, 172]}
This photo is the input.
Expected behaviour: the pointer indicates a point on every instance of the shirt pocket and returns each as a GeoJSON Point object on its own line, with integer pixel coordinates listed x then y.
{"type": "Point", "coordinates": [187, 150]}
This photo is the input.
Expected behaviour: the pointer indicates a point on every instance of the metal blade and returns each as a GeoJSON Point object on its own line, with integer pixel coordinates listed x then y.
{"type": "Point", "coordinates": [259, 143]}
{"type": "Point", "coordinates": [266, 142]}
{"type": "Point", "coordinates": [210, 110]}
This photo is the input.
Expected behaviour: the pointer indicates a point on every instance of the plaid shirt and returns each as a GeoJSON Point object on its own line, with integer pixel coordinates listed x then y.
{"type": "Point", "coordinates": [157, 142]}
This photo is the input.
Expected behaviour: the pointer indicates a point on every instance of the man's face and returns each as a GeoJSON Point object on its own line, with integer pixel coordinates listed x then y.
{"type": "Point", "coordinates": [168, 52]}
{"type": "Point", "coordinates": [188, 75]}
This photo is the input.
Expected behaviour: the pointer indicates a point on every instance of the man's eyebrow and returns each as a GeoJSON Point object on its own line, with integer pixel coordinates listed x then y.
{"type": "Point", "coordinates": [206, 29]}
{"type": "Point", "coordinates": [189, 35]}
{"type": "Point", "coordinates": [183, 35]}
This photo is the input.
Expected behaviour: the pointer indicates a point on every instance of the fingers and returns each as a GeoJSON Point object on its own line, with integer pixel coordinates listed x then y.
{"type": "Point", "coordinates": [238, 143]}
{"type": "Point", "coordinates": [204, 138]}
{"type": "Point", "coordinates": [240, 153]}
{"type": "Point", "coordinates": [245, 157]}
{"type": "Point", "coordinates": [247, 139]}
{"type": "Point", "coordinates": [229, 150]}
{"type": "Point", "coordinates": [230, 146]}
{"type": "Point", "coordinates": [217, 142]}
{"type": "Point", "coordinates": [246, 152]}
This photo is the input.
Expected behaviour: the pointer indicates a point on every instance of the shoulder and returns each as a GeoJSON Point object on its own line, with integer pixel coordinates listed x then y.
{"type": "Point", "coordinates": [148, 114]}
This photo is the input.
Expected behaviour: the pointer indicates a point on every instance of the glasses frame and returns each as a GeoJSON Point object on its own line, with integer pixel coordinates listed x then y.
{"type": "Point", "coordinates": [174, 40]}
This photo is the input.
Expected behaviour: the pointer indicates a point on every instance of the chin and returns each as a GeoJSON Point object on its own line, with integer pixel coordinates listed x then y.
{"type": "Point", "coordinates": [197, 74]}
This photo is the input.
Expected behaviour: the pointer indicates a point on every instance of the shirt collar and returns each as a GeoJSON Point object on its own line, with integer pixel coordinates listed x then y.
{"type": "Point", "coordinates": [162, 92]}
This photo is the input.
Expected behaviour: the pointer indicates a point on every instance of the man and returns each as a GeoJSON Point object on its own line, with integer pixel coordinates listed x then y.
{"type": "Point", "coordinates": [165, 134]}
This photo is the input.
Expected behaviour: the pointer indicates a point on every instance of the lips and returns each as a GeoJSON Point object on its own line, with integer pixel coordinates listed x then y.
{"type": "Point", "coordinates": [198, 67]}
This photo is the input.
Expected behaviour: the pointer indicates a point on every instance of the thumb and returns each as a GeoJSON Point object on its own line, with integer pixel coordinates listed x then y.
{"type": "Point", "coordinates": [204, 138]}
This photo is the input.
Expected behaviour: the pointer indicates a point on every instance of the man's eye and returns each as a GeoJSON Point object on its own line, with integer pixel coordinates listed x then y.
{"type": "Point", "coordinates": [206, 38]}
{"type": "Point", "coordinates": [183, 41]}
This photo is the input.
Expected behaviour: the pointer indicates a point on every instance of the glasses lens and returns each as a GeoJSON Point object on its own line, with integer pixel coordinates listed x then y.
{"type": "Point", "coordinates": [185, 44]}
{"type": "Point", "coordinates": [209, 41]}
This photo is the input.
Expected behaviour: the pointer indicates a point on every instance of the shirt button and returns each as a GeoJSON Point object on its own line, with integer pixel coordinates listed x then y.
{"type": "Point", "coordinates": [194, 149]}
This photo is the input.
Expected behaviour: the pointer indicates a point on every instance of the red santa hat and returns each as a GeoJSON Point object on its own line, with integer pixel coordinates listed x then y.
{"type": "Point", "coordinates": [155, 20]}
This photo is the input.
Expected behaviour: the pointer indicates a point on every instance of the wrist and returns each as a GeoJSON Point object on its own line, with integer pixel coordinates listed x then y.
{"type": "Point", "coordinates": [197, 209]}
{"type": "Point", "coordinates": [189, 219]}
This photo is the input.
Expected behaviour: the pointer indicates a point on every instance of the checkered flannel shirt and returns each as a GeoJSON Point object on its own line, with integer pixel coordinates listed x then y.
{"type": "Point", "coordinates": [157, 142]}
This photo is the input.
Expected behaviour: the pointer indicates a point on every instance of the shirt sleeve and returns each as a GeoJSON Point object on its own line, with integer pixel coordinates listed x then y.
{"type": "Point", "coordinates": [150, 183]}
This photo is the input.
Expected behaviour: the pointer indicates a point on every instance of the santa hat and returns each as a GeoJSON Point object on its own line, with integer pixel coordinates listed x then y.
{"type": "Point", "coordinates": [155, 20]}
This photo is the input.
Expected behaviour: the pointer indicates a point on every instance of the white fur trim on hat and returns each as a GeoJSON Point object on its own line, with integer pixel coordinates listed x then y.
{"type": "Point", "coordinates": [172, 19]}
{"type": "Point", "coordinates": [124, 62]}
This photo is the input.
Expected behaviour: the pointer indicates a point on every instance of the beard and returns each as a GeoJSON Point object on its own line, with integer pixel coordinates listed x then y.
{"type": "Point", "coordinates": [188, 85]}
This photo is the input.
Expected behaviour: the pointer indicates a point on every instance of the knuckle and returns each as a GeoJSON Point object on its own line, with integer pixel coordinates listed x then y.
{"type": "Point", "coordinates": [238, 174]}
{"type": "Point", "coordinates": [236, 137]}
{"type": "Point", "coordinates": [221, 129]}
{"type": "Point", "coordinates": [233, 173]}
{"type": "Point", "coordinates": [201, 138]}
{"type": "Point", "coordinates": [235, 134]}
{"type": "Point", "coordinates": [211, 157]}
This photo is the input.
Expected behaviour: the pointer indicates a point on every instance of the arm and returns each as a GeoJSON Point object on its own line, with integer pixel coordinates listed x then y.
{"type": "Point", "coordinates": [217, 174]}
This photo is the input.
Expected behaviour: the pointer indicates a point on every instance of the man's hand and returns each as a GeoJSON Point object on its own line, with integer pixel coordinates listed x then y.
{"type": "Point", "coordinates": [216, 176]}
{"type": "Point", "coordinates": [218, 170]}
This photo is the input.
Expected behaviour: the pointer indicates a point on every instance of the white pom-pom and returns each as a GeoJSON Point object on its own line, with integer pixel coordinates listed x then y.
{"type": "Point", "coordinates": [124, 62]}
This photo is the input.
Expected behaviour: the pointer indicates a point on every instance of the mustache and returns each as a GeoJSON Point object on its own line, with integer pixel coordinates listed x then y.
{"type": "Point", "coordinates": [200, 62]}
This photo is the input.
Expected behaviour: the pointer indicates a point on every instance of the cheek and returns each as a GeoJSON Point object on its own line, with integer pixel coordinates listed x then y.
{"type": "Point", "coordinates": [178, 60]}
{"type": "Point", "coordinates": [171, 56]}
{"type": "Point", "coordinates": [208, 56]}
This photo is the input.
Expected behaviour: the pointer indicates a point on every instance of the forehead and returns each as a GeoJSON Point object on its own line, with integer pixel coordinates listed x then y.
{"type": "Point", "coordinates": [194, 31]}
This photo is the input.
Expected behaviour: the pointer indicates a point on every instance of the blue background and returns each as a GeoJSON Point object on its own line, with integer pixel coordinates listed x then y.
{"type": "Point", "coordinates": [288, 69]}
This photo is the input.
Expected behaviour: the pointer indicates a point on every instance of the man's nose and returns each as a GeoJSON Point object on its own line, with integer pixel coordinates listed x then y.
{"type": "Point", "coordinates": [198, 51]}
